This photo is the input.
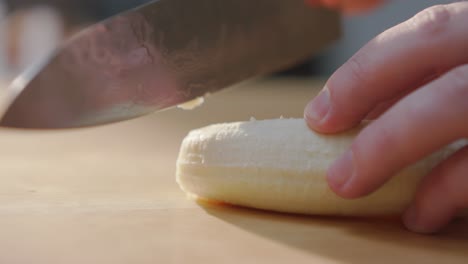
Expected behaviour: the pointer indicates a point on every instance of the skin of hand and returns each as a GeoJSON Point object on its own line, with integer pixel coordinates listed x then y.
{"type": "Point", "coordinates": [346, 6]}
{"type": "Point", "coordinates": [413, 79]}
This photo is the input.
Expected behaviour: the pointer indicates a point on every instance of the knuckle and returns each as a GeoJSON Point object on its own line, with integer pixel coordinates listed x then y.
{"type": "Point", "coordinates": [432, 21]}
{"type": "Point", "coordinates": [357, 68]}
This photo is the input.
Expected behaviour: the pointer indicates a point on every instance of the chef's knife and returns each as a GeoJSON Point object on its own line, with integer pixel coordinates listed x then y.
{"type": "Point", "coordinates": [163, 54]}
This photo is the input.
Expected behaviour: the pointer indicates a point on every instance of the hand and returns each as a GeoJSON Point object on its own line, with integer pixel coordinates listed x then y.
{"type": "Point", "coordinates": [417, 70]}
{"type": "Point", "coordinates": [347, 6]}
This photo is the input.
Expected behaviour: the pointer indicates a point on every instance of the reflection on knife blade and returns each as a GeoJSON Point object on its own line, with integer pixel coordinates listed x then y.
{"type": "Point", "coordinates": [163, 54]}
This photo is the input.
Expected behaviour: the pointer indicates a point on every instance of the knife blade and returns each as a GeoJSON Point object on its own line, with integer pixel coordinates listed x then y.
{"type": "Point", "coordinates": [163, 54]}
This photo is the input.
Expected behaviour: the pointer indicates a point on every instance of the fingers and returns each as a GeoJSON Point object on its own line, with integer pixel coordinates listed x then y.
{"type": "Point", "coordinates": [397, 60]}
{"type": "Point", "coordinates": [421, 123]}
{"type": "Point", "coordinates": [384, 106]}
{"type": "Point", "coordinates": [442, 195]}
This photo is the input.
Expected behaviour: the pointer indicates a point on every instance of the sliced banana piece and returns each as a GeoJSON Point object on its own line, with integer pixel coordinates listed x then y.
{"type": "Point", "coordinates": [281, 165]}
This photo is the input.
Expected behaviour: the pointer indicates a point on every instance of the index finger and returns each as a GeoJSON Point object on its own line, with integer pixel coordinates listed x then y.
{"type": "Point", "coordinates": [399, 59]}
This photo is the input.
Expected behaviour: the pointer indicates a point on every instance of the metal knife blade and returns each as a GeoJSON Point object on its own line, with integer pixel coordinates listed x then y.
{"type": "Point", "coordinates": [163, 54]}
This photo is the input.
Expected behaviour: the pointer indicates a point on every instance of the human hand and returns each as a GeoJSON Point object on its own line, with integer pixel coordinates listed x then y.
{"type": "Point", "coordinates": [347, 6]}
{"type": "Point", "coordinates": [418, 71]}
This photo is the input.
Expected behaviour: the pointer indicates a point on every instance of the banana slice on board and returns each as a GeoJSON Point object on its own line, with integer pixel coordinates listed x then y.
{"type": "Point", "coordinates": [280, 165]}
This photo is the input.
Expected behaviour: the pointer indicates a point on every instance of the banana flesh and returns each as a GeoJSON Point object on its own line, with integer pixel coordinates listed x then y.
{"type": "Point", "coordinates": [281, 165]}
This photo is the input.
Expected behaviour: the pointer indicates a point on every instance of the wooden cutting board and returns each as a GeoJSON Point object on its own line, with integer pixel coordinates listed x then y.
{"type": "Point", "coordinates": [108, 195]}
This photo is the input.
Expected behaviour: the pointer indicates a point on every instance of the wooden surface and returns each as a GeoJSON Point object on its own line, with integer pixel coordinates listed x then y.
{"type": "Point", "coordinates": [108, 195]}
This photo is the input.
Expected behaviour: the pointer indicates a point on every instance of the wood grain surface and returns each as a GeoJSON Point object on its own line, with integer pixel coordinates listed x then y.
{"type": "Point", "coordinates": [108, 195]}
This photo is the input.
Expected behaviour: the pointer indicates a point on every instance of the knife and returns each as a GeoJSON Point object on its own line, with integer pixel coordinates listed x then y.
{"type": "Point", "coordinates": [162, 54]}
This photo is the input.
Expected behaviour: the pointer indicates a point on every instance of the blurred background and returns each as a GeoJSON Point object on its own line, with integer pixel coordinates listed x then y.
{"type": "Point", "coordinates": [31, 29]}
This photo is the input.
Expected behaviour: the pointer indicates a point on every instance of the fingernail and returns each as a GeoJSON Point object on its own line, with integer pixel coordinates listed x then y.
{"type": "Point", "coordinates": [319, 107]}
{"type": "Point", "coordinates": [341, 171]}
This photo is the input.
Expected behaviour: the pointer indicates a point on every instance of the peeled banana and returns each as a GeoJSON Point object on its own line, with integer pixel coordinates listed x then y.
{"type": "Point", "coordinates": [281, 165]}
